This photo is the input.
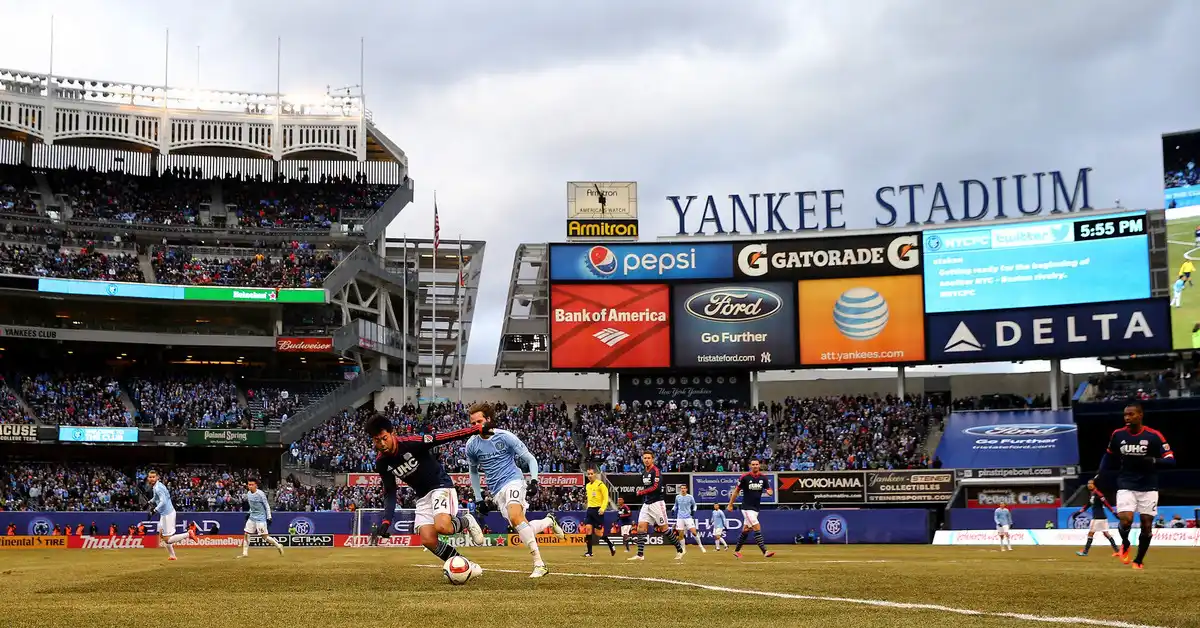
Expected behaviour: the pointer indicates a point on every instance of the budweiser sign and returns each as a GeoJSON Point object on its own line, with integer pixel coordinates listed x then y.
{"type": "Point", "coordinates": [304, 345]}
{"type": "Point", "coordinates": [111, 542]}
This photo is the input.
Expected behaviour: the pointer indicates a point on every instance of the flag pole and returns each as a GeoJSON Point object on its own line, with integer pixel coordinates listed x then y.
{"type": "Point", "coordinates": [404, 328]}
{"type": "Point", "coordinates": [462, 299]}
{"type": "Point", "coordinates": [433, 316]}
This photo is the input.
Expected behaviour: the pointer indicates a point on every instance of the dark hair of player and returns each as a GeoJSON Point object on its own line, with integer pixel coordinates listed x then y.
{"type": "Point", "coordinates": [1136, 405]}
{"type": "Point", "coordinates": [251, 481]}
{"type": "Point", "coordinates": [377, 424]}
{"type": "Point", "coordinates": [648, 452]}
{"type": "Point", "coordinates": [486, 409]}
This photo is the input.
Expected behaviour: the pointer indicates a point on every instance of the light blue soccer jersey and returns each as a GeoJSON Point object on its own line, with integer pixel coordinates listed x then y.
{"type": "Point", "coordinates": [1179, 285]}
{"type": "Point", "coordinates": [260, 510]}
{"type": "Point", "coordinates": [1003, 517]}
{"type": "Point", "coordinates": [718, 519]}
{"type": "Point", "coordinates": [162, 500]}
{"type": "Point", "coordinates": [685, 507]}
{"type": "Point", "coordinates": [496, 456]}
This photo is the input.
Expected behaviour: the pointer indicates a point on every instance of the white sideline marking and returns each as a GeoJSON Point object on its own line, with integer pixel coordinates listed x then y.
{"type": "Point", "coordinates": [1050, 619]}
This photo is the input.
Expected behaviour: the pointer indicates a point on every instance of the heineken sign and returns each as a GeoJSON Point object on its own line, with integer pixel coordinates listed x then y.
{"type": "Point", "coordinates": [227, 437]}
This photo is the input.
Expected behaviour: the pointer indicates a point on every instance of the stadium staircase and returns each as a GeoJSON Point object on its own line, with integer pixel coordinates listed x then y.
{"type": "Point", "coordinates": [933, 438]}
{"type": "Point", "coordinates": [363, 260]}
{"type": "Point", "coordinates": [24, 404]}
{"type": "Point", "coordinates": [376, 226]}
{"type": "Point", "coordinates": [352, 394]}
{"type": "Point", "coordinates": [147, 267]}
{"type": "Point", "coordinates": [47, 192]}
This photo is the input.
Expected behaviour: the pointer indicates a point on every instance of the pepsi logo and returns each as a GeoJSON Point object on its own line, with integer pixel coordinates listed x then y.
{"type": "Point", "coordinates": [602, 261]}
{"type": "Point", "coordinates": [733, 304]}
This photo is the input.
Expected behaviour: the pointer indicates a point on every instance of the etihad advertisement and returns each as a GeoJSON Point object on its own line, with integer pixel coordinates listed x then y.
{"type": "Point", "coordinates": [735, 325]}
{"type": "Point", "coordinates": [867, 320]}
{"type": "Point", "coordinates": [601, 327]}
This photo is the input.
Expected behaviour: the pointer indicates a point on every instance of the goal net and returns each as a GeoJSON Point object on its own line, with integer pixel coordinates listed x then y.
{"type": "Point", "coordinates": [367, 519]}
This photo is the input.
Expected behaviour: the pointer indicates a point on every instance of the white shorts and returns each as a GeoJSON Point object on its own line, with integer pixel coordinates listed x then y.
{"type": "Point", "coordinates": [654, 514]}
{"type": "Point", "coordinates": [256, 527]}
{"type": "Point", "coordinates": [625, 530]}
{"type": "Point", "coordinates": [511, 493]}
{"type": "Point", "coordinates": [718, 532]}
{"type": "Point", "coordinates": [439, 501]}
{"type": "Point", "coordinates": [166, 524]}
{"type": "Point", "coordinates": [1141, 502]}
{"type": "Point", "coordinates": [1099, 525]}
{"type": "Point", "coordinates": [1002, 529]}
{"type": "Point", "coordinates": [685, 524]}
{"type": "Point", "coordinates": [750, 518]}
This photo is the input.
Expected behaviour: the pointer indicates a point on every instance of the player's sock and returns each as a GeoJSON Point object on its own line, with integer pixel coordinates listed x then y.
{"type": "Point", "coordinates": [589, 544]}
{"type": "Point", "coordinates": [459, 523]}
{"type": "Point", "coordinates": [625, 540]}
{"type": "Point", "coordinates": [444, 551]}
{"type": "Point", "coordinates": [525, 531]}
{"type": "Point", "coordinates": [758, 540]}
{"type": "Point", "coordinates": [641, 543]}
{"type": "Point", "coordinates": [669, 535]}
{"type": "Point", "coordinates": [1112, 542]}
{"type": "Point", "coordinates": [246, 544]}
{"type": "Point", "coordinates": [604, 537]}
{"type": "Point", "coordinates": [1087, 546]}
{"type": "Point", "coordinates": [1143, 543]}
{"type": "Point", "coordinates": [540, 525]}
{"type": "Point", "coordinates": [175, 538]}
{"type": "Point", "coordinates": [699, 543]}
{"type": "Point", "coordinates": [1125, 536]}
{"type": "Point", "coordinates": [741, 541]}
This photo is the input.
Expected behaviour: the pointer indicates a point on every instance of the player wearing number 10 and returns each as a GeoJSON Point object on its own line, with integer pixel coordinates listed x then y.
{"type": "Point", "coordinates": [495, 452]}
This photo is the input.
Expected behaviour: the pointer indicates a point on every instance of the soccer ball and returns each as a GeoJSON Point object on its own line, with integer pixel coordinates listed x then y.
{"type": "Point", "coordinates": [457, 570]}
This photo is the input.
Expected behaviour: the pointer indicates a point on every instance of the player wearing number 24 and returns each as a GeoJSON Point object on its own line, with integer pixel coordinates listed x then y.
{"type": "Point", "coordinates": [410, 459]}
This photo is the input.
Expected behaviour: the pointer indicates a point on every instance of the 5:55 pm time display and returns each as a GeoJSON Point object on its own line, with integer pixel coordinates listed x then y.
{"type": "Point", "coordinates": [1111, 227]}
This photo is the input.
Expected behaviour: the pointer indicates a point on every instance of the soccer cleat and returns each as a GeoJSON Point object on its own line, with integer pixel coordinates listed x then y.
{"type": "Point", "coordinates": [737, 554]}
{"type": "Point", "coordinates": [1138, 566]}
{"type": "Point", "coordinates": [1116, 554]}
{"type": "Point", "coordinates": [476, 570]}
{"type": "Point", "coordinates": [172, 558]}
{"type": "Point", "coordinates": [682, 550]}
{"type": "Point", "coordinates": [679, 555]}
{"type": "Point", "coordinates": [639, 557]}
{"type": "Point", "coordinates": [192, 534]}
{"type": "Point", "coordinates": [613, 550]}
{"type": "Point", "coordinates": [1127, 557]}
{"type": "Point", "coordinates": [242, 556]}
{"type": "Point", "coordinates": [540, 571]}
{"type": "Point", "coordinates": [558, 531]}
{"type": "Point", "coordinates": [1082, 553]}
{"type": "Point", "coordinates": [702, 550]}
{"type": "Point", "coordinates": [769, 555]}
{"type": "Point", "coordinates": [474, 530]}
{"type": "Point", "coordinates": [280, 548]}
{"type": "Point", "coordinates": [587, 555]}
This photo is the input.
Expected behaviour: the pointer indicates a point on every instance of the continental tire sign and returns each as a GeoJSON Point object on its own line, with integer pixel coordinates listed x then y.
{"type": "Point", "coordinates": [19, 433]}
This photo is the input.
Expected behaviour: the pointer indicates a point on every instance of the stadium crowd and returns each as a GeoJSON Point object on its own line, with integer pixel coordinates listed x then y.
{"type": "Point", "coordinates": [299, 267]}
{"type": "Point", "coordinates": [88, 400]}
{"type": "Point", "coordinates": [17, 191]}
{"type": "Point", "coordinates": [11, 410]}
{"type": "Point", "coordinates": [168, 199]}
{"type": "Point", "coordinates": [189, 402]}
{"type": "Point", "coordinates": [35, 260]}
{"type": "Point", "coordinates": [840, 433]}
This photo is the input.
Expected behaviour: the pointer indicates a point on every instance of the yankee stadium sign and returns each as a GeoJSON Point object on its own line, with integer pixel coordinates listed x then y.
{"type": "Point", "coordinates": [968, 200]}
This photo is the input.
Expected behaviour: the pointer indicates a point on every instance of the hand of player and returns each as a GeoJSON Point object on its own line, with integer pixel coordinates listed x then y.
{"type": "Point", "coordinates": [532, 489]}
{"type": "Point", "coordinates": [150, 515]}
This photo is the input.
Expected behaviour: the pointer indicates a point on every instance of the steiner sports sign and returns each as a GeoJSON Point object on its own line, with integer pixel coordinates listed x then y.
{"type": "Point", "coordinates": [304, 345]}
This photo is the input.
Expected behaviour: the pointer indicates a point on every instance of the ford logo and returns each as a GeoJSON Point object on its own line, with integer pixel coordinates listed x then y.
{"type": "Point", "coordinates": [733, 304]}
{"type": "Point", "coordinates": [1021, 429]}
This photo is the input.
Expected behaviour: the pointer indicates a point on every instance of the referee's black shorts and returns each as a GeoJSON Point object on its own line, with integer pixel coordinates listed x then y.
{"type": "Point", "coordinates": [594, 519]}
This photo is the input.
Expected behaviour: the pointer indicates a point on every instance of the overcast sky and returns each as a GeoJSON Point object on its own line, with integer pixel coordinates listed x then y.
{"type": "Point", "coordinates": [499, 104]}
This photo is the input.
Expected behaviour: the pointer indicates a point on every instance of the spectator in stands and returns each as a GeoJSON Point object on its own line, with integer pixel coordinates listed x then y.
{"type": "Point", "coordinates": [297, 267]}
{"type": "Point", "coordinates": [189, 402]}
{"type": "Point", "coordinates": [11, 410]}
{"type": "Point", "coordinates": [87, 263]}
{"type": "Point", "coordinates": [89, 400]}
{"type": "Point", "coordinates": [840, 433]}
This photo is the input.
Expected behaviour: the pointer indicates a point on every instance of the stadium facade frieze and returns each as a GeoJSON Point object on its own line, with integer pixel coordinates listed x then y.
{"type": "Point", "coordinates": [138, 337]}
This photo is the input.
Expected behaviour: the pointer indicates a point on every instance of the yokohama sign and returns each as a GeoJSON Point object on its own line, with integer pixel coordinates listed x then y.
{"type": "Point", "coordinates": [304, 345]}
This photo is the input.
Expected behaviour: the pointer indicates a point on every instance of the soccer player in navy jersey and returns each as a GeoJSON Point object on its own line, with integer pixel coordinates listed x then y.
{"type": "Point", "coordinates": [654, 509]}
{"type": "Point", "coordinates": [1137, 451]}
{"type": "Point", "coordinates": [625, 519]}
{"type": "Point", "coordinates": [751, 487]}
{"type": "Point", "coordinates": [410, 459]}
{"type": "Point", "coordinates": [1097, 504]}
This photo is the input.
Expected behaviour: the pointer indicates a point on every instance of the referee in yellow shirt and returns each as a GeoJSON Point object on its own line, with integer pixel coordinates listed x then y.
{"type": "Point", "coordinates": [597, 503]}
{"type": "Point", "coordinates": [1186, 269]}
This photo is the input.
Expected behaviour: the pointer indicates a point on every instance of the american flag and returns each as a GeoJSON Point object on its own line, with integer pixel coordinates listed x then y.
{"type": "Point", "coordinates": [437, 228]}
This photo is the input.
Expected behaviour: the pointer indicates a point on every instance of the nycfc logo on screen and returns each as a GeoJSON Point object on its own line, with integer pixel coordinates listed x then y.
{"type": "Point", "coordinates": [733, 305]}
{"type": "Point", "coordinates": [1021, 429]}
{"type": "Point", "coordinates": [41, 526]}
{"type": "Point", "coordinates": [860, 313]}
{"type": "Point", "coordinates": [902, 253]}
{"type": "Point", "coordinates": [834, 526]}
{"type": "Point", "coordinates": [303, 525]}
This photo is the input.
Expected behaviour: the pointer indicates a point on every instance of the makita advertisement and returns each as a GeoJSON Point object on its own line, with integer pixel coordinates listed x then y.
{"type": "Point", "coordinates": [711, 488]}
{"type": "Point", "coordinates": [1074, 331]}
{"type": "Point", "coordinates": [1007, 439]}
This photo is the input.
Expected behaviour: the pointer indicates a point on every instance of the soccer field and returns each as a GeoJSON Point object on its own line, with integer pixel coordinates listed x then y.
{"type": "Point", "coordinates": [1181, 236]}
{"type": "Point", "coordinates": [803, 585]}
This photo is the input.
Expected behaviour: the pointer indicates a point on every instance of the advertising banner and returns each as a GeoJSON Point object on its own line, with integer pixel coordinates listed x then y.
{"type": "Point", "coordinates": [1073, 518]}
{"type": "Point", "coordinates": [628, 484]}
{"type": "Point", "coordinates": [640, 262]}
{"type": "Point", "coordinates": [1160, 537]}
{"type": "Point", "coordinates": [684, 390]}
{"type": "Point", "coordinates": [207, 523]}
{"type": "Point", "coordinates": [550, 539]}
{"type": "Point", "coordinates": [830, 258]}
{"type": "Point", "coordinates": [1073, 331]}
{"type": "Point", "coordinates": [1006, 439]}
{"type": "Point", "coordinates": [825, 487]}
{"type": "Point", "coordinates": [78, 434]}
{"type": "Point", "coordinates": [227, 437]}
{"type": "Point", "coordinates": [18, 432]}
{"type": "Point", "coordinates": [909, 487]}
{"type": "Point", "coordinates": [32, 542]}
{"type": "Point", "coordinates": [364, 540]}
{"type": "Point", "coordinates": [1021, 496]}
{"type": "Point", "coordinates": [304, 345]}
{"type": "Point", "coordinates": [750, 326]}
{"type": "Point", "coordinates": [363, 479]}
{"type": "Point", "coordinates": [1023, 472]}
{"type": "Point", "coordinates": [604, 327]}
{"type": "Point", "coordinates": [545, 480]}
{"type": "Point", "coordinates": [602, 210]}
{"type": "Point", "coordinates": [1038, 264]}
{"type": "Point", "coordinates": [714, 488]}
{"type": "Point", "coordinates": [868, 320]}
{"type": "Point", "coordinates": [176, 293]}
{"type": "Point", "coordinates": [112, 542]}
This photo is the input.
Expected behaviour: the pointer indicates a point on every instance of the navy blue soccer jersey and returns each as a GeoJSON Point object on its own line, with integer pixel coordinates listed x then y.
{"type": "Point", "coordinates": [1140, 454]}
{"type": "Point", "coordinates": [1096, 504]}
{"type": "Point", "coordinates": [752, 487]}
{"type": "Point", "coordinates": [652, 489]}
{"type": "Point", "coordinates": [415, 464]}
{"type": "Point", "coordinates": [625, 515]}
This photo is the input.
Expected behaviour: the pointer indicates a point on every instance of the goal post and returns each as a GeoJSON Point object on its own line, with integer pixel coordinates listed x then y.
{"type": "Point", "coordinates": [367, 519]}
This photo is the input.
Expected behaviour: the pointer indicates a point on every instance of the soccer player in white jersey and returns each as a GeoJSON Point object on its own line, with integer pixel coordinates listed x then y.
{"type": "Point", "coordinates": [718, 526]}
{"type": "Point", "coordinates": [685, 518]}
{"type": "Point", "coordinates": [495, 452]}
{"type": "Point", "coordinates": [160, 504]}
{"type": "Point", "coordinates": [258, 517]}
{"type": "Point", "coordinates": [1003, 518]}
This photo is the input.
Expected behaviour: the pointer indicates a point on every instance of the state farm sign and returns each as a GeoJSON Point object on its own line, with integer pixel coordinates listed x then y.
{"type": "Point", "coordinates": [304, 345]}
{"type": "Point", "coordinates": [363, 479]}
